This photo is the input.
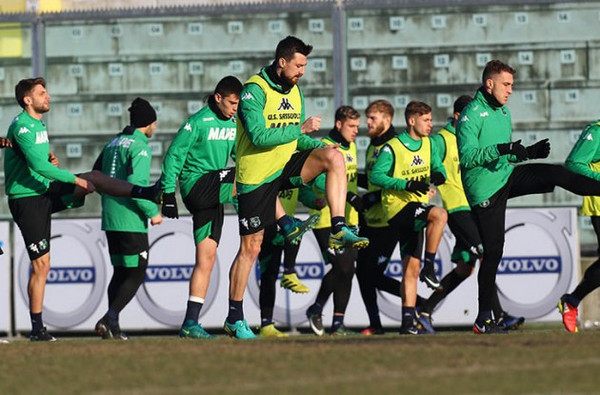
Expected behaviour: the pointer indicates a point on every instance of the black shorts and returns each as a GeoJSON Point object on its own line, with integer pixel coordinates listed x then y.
{"type": "Point", "coordinates": [32, 215]}
{"type": "Point", "coordinates": [382, 242]}
{"type": "Point", "coordinates": [205, 200]}
{"type": "Point", "coordinates": [127, 249]}
{"type": "Point", "coordinates": [256, 209]}
{"type": "Point", "coordinates": [468, 245]}
{"type": "Point", "coordinates": [408, 227]}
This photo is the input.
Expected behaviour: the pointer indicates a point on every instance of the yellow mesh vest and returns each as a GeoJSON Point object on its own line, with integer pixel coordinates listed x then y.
{"type": "Point", "coordinates": [591, 204]}
{"type": "Point", "coordinates": [289, 200]}
{"type": "Point", "coordinates": [453, 194]}
{"type": "Point", "coordinates": [352, 177]}
{"type": "Point", "coordinates": [256, 164]}
{"type": "Point", "coordinates": [408, 165]}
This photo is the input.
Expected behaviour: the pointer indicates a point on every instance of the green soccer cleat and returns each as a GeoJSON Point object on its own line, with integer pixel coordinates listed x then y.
{"type": "Point", "coordinates": [271, 331]}
{"type": "Point", "coordinates": [239, 330]}
{"type": "Point", "coordinates": [290, 281]}
{"type": "Point", "coordinates": [346, 238]}
{"type": "Point", "coordinates": [294, 234]}
{"type": "Point", "coordinates": [193, 330]}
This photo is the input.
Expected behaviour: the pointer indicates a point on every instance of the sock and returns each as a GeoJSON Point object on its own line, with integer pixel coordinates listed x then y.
{"type": "Point", "coordinates": [285, 223]}
{"type": "Point", "coordinates": [337, 223]}
{"type": "Point", "coordinates": [338, 321]}
{"type": "Point", "coordinates": [265, 322]}
{"type": "Point", "coordinates": [374, 319]}
{"type": "Point", "coordinates": [484, 315]}
{"type": "Point", "coordinates": [429, 258]}
{"type": "Point", "coordinates": [36, 322]}
{"type": "Point", "coordinates": [408, 316]}
{"type": "Point", "coordinates": [572, 300]}
{"type": "Point", "coordinates": [113, 317]}
{"type": "Point", "coordinates": [194, 306]}
{"type": "Point", "coordinates": [236, 312]}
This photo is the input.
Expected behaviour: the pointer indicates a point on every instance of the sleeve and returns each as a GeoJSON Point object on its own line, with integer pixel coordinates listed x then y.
{"type": "Point", "coordinates": [382, 169]}
{"type": "Point", "coordinates": [37, 158]}
{"type": "Point", "coordinates": [141, 161]}
{"type": "Point", "coordinates": [176, 155]}
{"type": "Point", "coordinates": [439, 145]}
{"type": "Point", "coordinates": [467, 137]}
{"type": "Point", "coordinates": [436, 160]}
{"type": "Point", "coordinates": [305, 142]}
{"type": "Point", "coordinates": [307, 196]}
{"type": "Point", "coordinates": [583, 153]}
{"type": "Point", "coordinates": [250, 114]}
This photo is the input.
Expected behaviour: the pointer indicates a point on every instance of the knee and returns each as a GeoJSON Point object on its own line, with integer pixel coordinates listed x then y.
{"type": "Point", "coordinates": [438, 215]}
{"type": "Point", "coordinates": [463, 270]}
{"type": "Point", "coordinates": [334, 158]}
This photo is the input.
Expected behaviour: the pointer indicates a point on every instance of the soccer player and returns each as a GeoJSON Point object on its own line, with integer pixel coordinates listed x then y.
{"type": "Point", "coordinates": [584, 159]}
{"type": "Point", "coordinates": [404, 169]}
{"type": "Point", "coordinates": [197, 158]}
{"type": "Point", "coordinates": [125, 220]}
{"type": "Point", "coordinates": [36, 187]}
{"type": "Point", "coordinates": [338, 280]}
{"type": "Point", "coordinates": [468, 247]}
{"type": "Point", "coordinates": [269, 259]}
{"type": "Point", "coordinates": [489, 177]}
{"type": "Point", "coordinates": [271, 127]}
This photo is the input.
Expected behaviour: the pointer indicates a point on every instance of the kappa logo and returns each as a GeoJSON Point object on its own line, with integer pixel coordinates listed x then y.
{"type": "Point", "coordinates": [386, 149]}
{"type": "Point", "coordinates": [589, 137]}
{"type": "Point", "coordinates": [223, 174]}
{"type": "Point", "coordinates": [419, 211]}
{"type": "Point", "coordinates": [244, 223]}
{"type": "Point", "coordinates": [349, 158]}
{"type": "Point", "coordinates": [285, 105]}
{"type": "Point", "coordinates": [187, 127]}
{"type": "Point", "coordinates": [23, 130]}
{"type": "Point", "coordinates": [464, 118]}
{"type": "Point", "coordinates": [417, 161]}
{"type": "Point", "coordinates": [484, 114]}
{"type": "Point", "coordinates": [34, 248]}
{"type": "Point", "coordinates": [144, 254]}
{"type": "Point", "coordinates": [143, 153]}
{"type": "Point", "coordinates": [382, 259]}
{"type": "Point", "coordinates": [247, 96]}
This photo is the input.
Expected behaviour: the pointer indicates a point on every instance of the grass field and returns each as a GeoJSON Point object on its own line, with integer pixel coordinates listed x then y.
{"type": "Point", "coordinates": [536, 359]}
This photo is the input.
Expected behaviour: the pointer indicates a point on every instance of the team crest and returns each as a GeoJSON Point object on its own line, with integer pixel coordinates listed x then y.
{"type": "Point", "coordinates": [254, 222]}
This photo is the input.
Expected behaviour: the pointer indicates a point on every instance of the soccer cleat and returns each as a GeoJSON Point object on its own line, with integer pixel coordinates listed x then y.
{"type": "Point", "coordinates": [42, 336]}
{"type": "Point", "coordinates": [370, 331]}
{"type": "Point", "coordinates": [346, 238]}
{"type": "Point", "coordinates": [428, 276]}
{"type": "Point", "coordinates": [271, 331]}
{"type": "Point", "coordinates": [410, 330]}
{"type": "Point", "coordinates": [193, 330]}
{"type": "Point", "coordinates": [424, 322]}
{"type": "Point", "coordinates": [299, 228]}
{"type": "Point", "coordinates": [315, 321]}
{"type": "Point", "coordinates": [508, 322]}
{"type": "Point", "coordinates": [569, 314]}
{"type": "Point", "coordinates": [107, 331]}
{"type": "Point", "coordinates": [488, 327]}
{"type": "Point", "coordinates": [292, 282]}
{"type": "Point", "coordinates": [340, 331]}
{"type": "Point", "coordinates": [239, 330]}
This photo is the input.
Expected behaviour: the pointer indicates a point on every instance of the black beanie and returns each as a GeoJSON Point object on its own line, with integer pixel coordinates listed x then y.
{"type": "Point", "coordinates": [141, 113]}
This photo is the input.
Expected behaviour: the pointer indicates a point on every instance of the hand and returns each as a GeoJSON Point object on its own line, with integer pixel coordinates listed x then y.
{"type": "Point", "coordinates": [156, 220]}
{"type": "Point", "coordinates": [320, 203]}
{"type": "Point", "coordinates": [312, 124]}
{"type": "Point", "coordinates": [84, 184]}
{"type": "Point", "coordinates": [513, 148]}
{"type": "Point", "coordinates": [169, 205]}
{"type": "Point", "coordinates": [53, 159]}
{"type": "Point", "coordinates": [4, 142]}
{"type": "Point", "coordinates": [539, 150]}
{"type": "Point", "coordinates": [354, 200]}
{"type": "Point", "coordinates": [437, 178]}
{"type": "Point", "coordinates": [418, 187]}
{"type": "Point", "coordinates": [432, 193]}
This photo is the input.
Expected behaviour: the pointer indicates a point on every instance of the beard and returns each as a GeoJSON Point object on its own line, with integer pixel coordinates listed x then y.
{"type": "Point", "coordinates": [376, 131]}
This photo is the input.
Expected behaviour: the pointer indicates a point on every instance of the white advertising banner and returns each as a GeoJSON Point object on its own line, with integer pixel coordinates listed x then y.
{"type": "Point", "coordinates": [540, 263]}
{"type": "Point", "coordinates": [5, 316]}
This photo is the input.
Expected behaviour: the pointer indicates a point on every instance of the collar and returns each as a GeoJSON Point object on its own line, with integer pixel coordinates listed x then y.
{"type": "Point", "coordinates": [336, 136]}
{"type": "Point", "coordinates": [388, 135]}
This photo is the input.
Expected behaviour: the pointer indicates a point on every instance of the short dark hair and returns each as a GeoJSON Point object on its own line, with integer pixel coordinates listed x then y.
{"type": "Point", "coordinates": [461, 103]}
{"type": "Point", "coordinates": [494, 67]}
{"type": "Point", "coordinates": [416, 108]}
{"type": "Point", "coordinates": [381, 105]}
{"type": "Point", "coordinates": [346, 112]}
{"type": "Point", "coordinates": [229, 85]}
{"type": "Point", "coordinates": [291, 45]}
{"type": "Point", "coordinates": [24, 87]}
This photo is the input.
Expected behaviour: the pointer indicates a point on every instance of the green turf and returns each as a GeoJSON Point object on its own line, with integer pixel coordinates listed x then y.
{"type": "Point", "coordinates": [532, 360]}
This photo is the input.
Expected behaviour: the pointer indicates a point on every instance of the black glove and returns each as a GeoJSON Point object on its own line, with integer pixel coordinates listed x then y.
{"type": "Point", "coordinates": [437, 178]}
{"type": "Point", "coordinates": [354, 200]}
{"type": "Point", "coordinates": [370, 199]}
{"type": "Point", "coordinates": [539, 150]}
{"type": "Point", "coordinates": [169, 206]}
{"type": "Point", "coordinates": [418, 187]}
{"type": "Point", "coordinates": [514, 148]}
